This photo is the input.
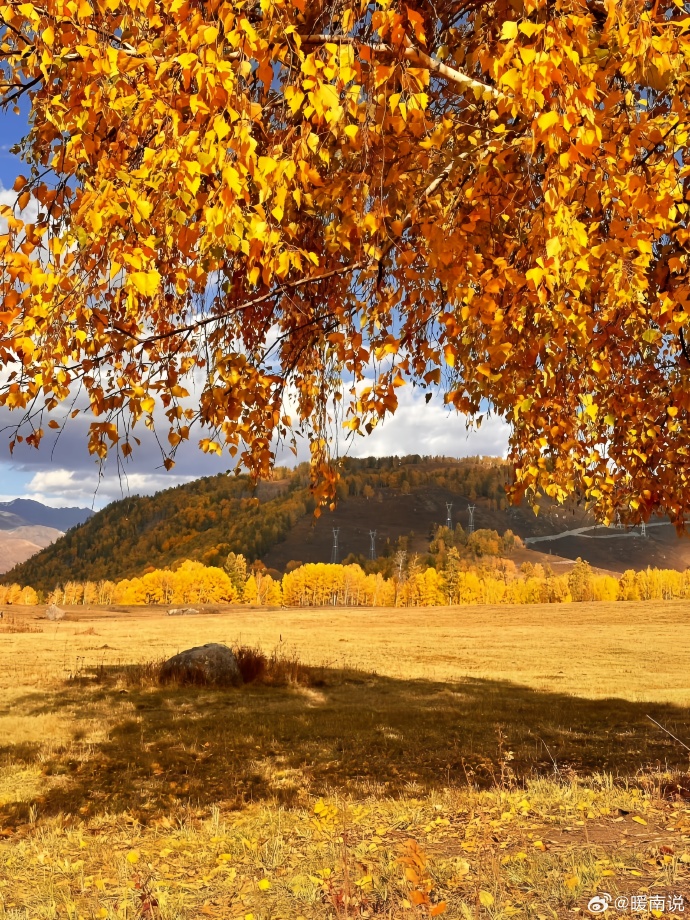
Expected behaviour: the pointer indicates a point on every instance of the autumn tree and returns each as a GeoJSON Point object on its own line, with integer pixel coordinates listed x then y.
{"type": "Point", "coordinates": [487, 198]}
{"type": "Point", "coordinates": [580, 581]}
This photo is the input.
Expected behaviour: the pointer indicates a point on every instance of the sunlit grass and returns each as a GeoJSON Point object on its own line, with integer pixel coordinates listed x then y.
{"type": "Point", "coordinates": [512, 747]}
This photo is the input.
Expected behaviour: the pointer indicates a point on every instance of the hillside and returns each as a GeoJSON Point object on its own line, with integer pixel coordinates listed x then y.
{"type": "Point", "coordinates": [20, 544]}
{"type": "Point", "coordinates": [203, 520]}
{"type": "Point", "coordinates": [396, 497]}
{"type": "Point", "coordinates": [27, 527]}
{"type": "Point", "coordinates": [409, 497]}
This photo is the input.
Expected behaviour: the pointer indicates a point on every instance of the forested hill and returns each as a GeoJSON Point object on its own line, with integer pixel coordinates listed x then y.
{"type": "Point", "coordinates": [203, 520]}
{"type": "Point", "coordinates": [402, 499]}
{"type": "Point", "coordinates": [208, 518]}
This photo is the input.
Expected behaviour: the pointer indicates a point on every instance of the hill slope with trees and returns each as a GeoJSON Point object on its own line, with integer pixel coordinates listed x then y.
{"type": "Point", "coordinates": [404, 500]}
{"type": "Point", "coordinates": [203, 520]}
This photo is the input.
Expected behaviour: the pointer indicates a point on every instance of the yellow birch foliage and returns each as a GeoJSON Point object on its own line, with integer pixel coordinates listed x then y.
{"type": "Point", "coordinates": [485, 198]}
{"type": "Point", "coordinates": [323, 584]}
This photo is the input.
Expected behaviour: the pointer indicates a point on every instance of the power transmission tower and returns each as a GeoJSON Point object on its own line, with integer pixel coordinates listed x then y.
{"type": "Point", "coordinates": [334, 551]}
{"type": "Point", "coordinates": [643, 529]}
{"type": "Point", "coordinates": [449, 515]}
{"type": "Point", "coordinates": [470, 526]}
{"type": "Point", "coordinates": [619, 525]}
{"type": "Point", "coordinates": [372, 544]}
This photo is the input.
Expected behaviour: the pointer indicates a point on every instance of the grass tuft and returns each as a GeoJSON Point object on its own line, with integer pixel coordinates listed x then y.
{"type": "Point", "coordinates": [279, 669]}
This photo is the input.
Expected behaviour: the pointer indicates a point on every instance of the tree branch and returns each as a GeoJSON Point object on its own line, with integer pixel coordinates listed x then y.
{"type": "Point", "coordinates": [411, 53]}
{"type": "Point", "coordinates": [300, 282]}
{"type": "Point", "coordinates": [20, 91]}
{"type": "Point", "coordinates": [252, 302]}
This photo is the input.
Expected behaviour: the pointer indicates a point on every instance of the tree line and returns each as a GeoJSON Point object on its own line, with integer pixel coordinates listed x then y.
{"type": "Point", "coordinates": [349, 585]}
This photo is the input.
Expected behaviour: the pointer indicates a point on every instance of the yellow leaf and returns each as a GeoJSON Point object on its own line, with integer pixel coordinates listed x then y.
{"type": "Point", "coordinates": [639, 819]}
{"type": "Point", "coordinates": [547, 120]}
{"type": "Point", "coordinates": [510, 78]}
{"type": "Point", "coordinates": [553, 246]}
{"type": "Point", "coordinates": [486, 899]}
{"type": "Point", "coordinates": [133, 856]}
{"type": "Point", "coordinates": [328, 96]}
{"type": "Point", "coordinates": [264, 884]}
{"type": "Point", "coordinates": [147, 283]}
{"type": "Point", "coordinates": [509, 30]}
{"type": "Point", "coordinates": [530, 28]}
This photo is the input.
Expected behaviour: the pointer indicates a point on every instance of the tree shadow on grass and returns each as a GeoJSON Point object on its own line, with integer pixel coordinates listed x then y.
{"type": "Point", "coordinates": [355, 733]}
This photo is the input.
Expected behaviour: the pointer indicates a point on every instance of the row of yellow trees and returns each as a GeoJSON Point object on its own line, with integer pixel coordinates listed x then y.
{"type": "Point", "coordinates": [320, 584]}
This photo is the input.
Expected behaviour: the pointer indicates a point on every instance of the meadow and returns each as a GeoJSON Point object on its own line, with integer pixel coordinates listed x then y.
{"type": "Point", "coordinates": [474, 762]}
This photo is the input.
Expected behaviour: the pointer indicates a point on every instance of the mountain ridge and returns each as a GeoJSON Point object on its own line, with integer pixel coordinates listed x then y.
{"type": "Point", "coordinates": [32, 512]}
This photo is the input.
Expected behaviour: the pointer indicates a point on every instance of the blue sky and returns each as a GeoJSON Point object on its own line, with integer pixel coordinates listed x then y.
{"type": "Point", "coordinates": [12, 127]}
{"type": "Point", "coordinates": [63, 473]}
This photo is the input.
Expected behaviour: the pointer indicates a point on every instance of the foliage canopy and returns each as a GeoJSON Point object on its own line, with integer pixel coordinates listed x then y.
{"type": "Point", "coordinates": [305, 205]}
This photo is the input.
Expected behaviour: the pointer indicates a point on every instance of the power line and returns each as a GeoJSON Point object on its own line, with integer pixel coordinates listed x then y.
{"type": "Point", "coordinates": [334, 551]}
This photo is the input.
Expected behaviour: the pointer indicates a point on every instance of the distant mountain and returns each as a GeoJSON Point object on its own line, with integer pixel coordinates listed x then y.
{"type": "Point", "coordinates": [397, 498]}
{"type": "Point", "coordinates": [27, 527]}
{"type": "Point", "coordinates": [28, 511]}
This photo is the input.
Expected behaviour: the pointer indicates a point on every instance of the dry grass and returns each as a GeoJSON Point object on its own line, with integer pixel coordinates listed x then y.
{"type": "Point", "coordinates": [512, 745]}
{"type": "Point", "coordinates": [592, 650]}
{"type": "Point", "coordinates": [21, 624]}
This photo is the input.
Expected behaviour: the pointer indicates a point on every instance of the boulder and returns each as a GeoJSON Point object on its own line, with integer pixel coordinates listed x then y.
{"type": "Point", "coordinates": [182, 612]}
{"type": "Point", "coordinates": [212, 664]}
{"type": "Point", "coordinates": [53, 612]}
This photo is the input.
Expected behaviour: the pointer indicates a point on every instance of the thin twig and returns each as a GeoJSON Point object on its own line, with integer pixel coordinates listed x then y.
{"type": "Point", "coordinates": [670, 734]}
{"type": "Point", "coordinates": [555, 765]}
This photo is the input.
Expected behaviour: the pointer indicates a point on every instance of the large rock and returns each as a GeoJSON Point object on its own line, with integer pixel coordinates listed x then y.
{"type": "Point", "coordinates": [53, 612]}
{"type": "Point", "coordinates": [182, 612]}
{"type": "Point", "coordinates": [213, 664]}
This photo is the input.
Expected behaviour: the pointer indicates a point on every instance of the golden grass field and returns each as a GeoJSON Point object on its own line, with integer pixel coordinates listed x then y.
{"type": "Point", "coordinates": [487, 762]}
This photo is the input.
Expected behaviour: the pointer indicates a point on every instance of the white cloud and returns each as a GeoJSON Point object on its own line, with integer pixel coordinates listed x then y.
{"type": "Point", "coordinates": [59, 487]}
{"type": "Point", "coordinates": [9, 197]}
{"type": "Point", "coordinates": [55, 481]}
{"type": "Point", "coordinates": [430, 430]}
{"type": "Point", "coordinates": [62, 472]}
